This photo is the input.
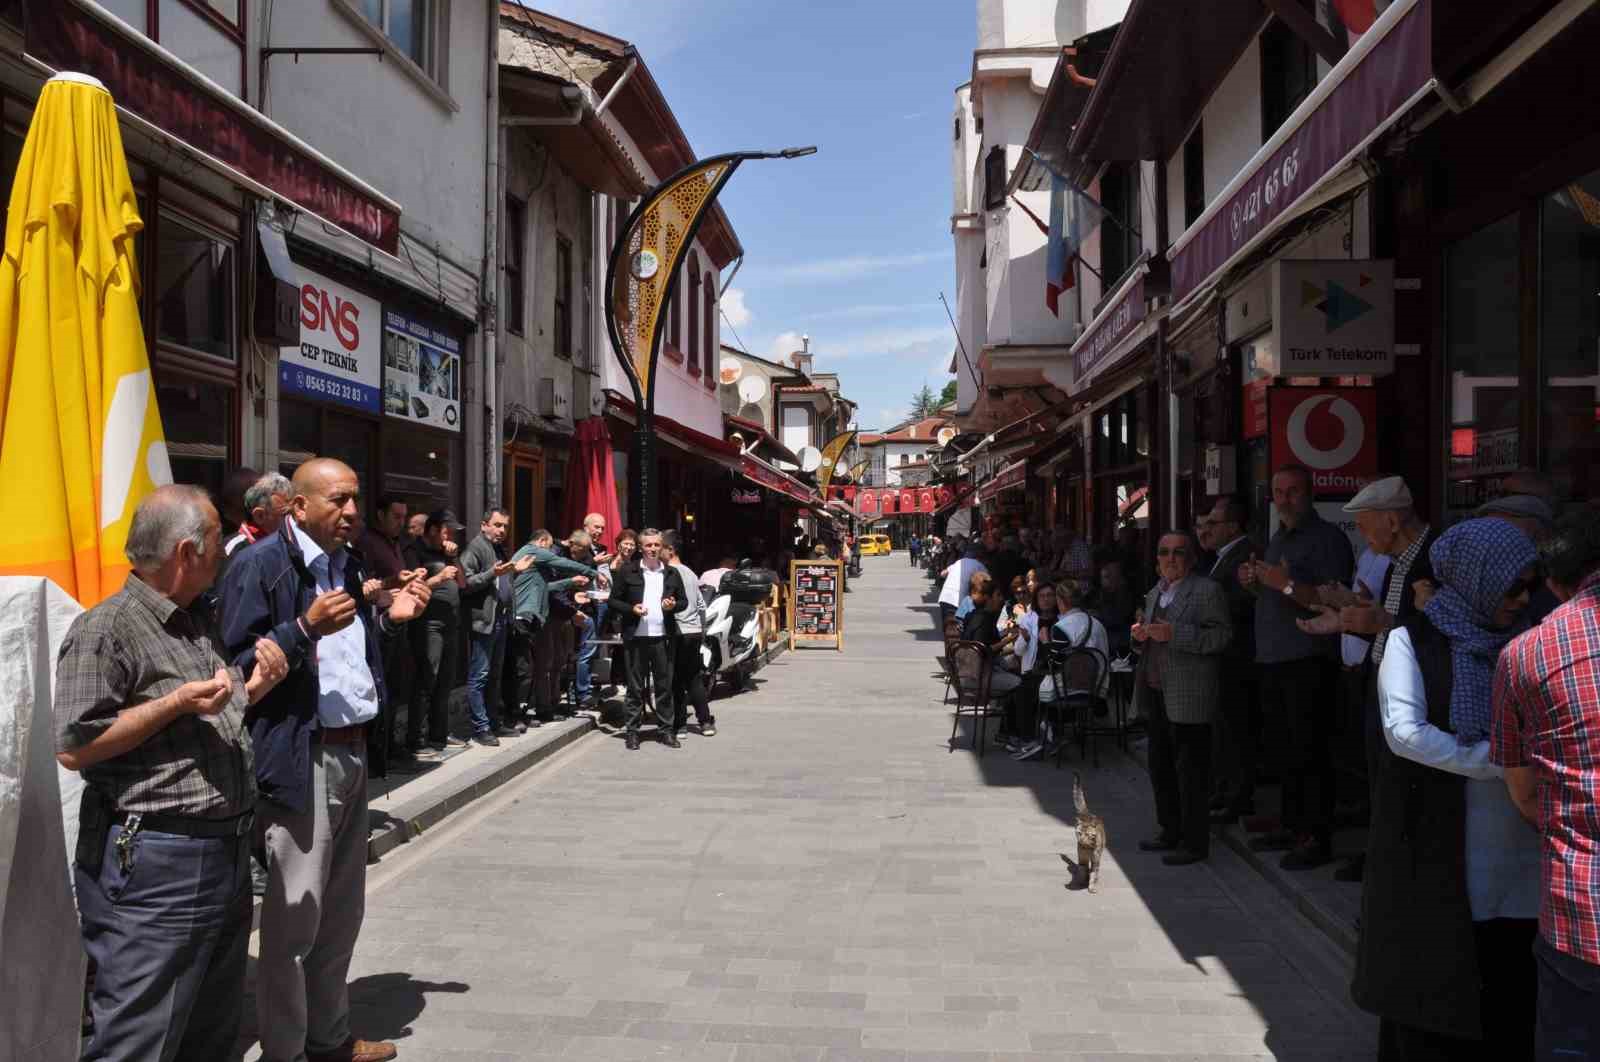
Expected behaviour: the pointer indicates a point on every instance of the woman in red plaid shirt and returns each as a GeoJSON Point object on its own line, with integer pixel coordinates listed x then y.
{"type": "Point", "coordinates": [1545, 735]}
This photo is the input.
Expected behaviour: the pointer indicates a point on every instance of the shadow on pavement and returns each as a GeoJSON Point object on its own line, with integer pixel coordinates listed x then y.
{"type": "Point", "coordinates": [384, 1006]}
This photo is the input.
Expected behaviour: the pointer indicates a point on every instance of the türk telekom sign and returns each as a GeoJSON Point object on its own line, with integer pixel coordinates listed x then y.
{"type": "Point", "coordinates": [1331, 431]}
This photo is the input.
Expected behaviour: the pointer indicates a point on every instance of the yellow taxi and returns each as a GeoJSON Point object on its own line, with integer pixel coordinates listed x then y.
{"type": "Point", "coordinates": [874, 545]}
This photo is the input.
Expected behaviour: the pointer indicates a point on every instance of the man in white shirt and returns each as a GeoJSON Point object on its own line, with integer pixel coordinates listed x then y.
{"type": "Point", "coordinates": [649, 593]}
{"type": "Point", "coordinates": [957, 578]}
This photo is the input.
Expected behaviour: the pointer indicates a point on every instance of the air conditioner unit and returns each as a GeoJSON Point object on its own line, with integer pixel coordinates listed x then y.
{"type": "Point", "coordinates": [555, 397]}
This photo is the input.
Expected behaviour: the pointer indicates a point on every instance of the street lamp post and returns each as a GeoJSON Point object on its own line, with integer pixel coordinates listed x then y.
{"type": "Point", "coordinates": [640, 280]}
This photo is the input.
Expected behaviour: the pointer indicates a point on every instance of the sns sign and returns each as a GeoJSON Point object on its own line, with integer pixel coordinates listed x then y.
{"type": "Point", "coordinates": [341, 343]}
{"type": "Point", "coordinates": [1331, 431]}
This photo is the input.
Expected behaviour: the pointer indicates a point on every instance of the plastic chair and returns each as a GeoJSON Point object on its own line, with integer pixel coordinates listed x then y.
{"type": "Point", "coordinates": [1078, 673]}
{"type": "Point", "coordinates": [972, 667]}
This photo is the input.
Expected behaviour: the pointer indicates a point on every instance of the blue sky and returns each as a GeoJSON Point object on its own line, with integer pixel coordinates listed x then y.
{"type": "Point", "coordinates": [852, 245]}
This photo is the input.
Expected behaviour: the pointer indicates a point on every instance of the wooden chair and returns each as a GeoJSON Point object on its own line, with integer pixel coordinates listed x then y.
{"type": "Point", "coordinates": [973, 666]}
{"type": "Point", "coordinates": [1078, 673]}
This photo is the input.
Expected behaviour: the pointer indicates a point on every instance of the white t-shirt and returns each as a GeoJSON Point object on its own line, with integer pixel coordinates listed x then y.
{"type": "Point", "coordinates": [958, 579]}
{"type": "Point", "coordinates": [653, 624]}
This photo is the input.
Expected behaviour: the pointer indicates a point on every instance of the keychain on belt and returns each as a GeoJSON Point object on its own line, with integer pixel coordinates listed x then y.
{"type": "Point", "coordinates": [124, 842]}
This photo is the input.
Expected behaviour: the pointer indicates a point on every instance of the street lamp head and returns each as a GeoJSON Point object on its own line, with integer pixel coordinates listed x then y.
{"type": "Point", "coordinates": [797, 152]}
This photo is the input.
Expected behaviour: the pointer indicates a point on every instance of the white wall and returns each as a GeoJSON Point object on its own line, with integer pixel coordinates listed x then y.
{"type": "Point", "coordinates": [1232, 122]}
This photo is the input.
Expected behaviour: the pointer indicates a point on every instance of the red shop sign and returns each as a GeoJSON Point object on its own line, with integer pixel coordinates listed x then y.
{"type": "Point", "coordinates": [1331, 431]}
{"type": "Point", "coordinates": [1255, 408]}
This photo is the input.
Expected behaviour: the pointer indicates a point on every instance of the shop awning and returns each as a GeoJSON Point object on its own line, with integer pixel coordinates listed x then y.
{"type": "Point", "coordinates": [163, 95]}
{"type": "Point", "coordinates": [1105, 341]}
{"type": "Point", "coordinates": [675, 434]}
{"type": "Point", "coordinates": [767, 445]}
{"type": "Point", "coordinates": [1387, 72]}
{"type": "Point", "coordinates": [764, 475]}
{"type": "Point", "coordinates": [1008, 478]}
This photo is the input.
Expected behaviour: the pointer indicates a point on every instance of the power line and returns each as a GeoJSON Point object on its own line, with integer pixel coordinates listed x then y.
{"type": "Point", "coordinates": [724, 315]}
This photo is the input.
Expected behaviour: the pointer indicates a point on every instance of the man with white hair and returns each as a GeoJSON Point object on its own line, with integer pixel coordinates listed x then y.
{"type": "Point", "coordinates": [266, 503]}
{"type": "Point", "coordinates": [150, 712]}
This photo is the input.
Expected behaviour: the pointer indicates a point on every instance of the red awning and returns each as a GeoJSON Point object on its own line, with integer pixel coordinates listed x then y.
{"type": "Point", "coordinates": [680, 435]}
{"type": "Point", "coordinates": [1008, 478]}
{"type": "Point", "coordinates": [762, 474]}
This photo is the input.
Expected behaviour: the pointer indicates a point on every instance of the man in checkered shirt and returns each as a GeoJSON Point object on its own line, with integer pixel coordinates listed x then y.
{"type": "Point", "coordinates": [150, 713]}
{"type": "Point", "coordinates": [1546, 734]}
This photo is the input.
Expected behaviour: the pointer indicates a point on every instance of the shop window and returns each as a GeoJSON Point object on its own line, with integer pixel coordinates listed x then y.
{"type": "Point", "coordinates": [1194, 176]}
{"type": "Point", "coordinates": [515, 298]}
{"type": "Point", "coordinates": [994, 178]}
{"type": "Point", "coordinates": [693, 349]}
{"type": "Point", "coordinates": [1288, 74]}
{"type": "Point", "coordinates": [415, 28]}
{"type": "Point", "coordinates": [197, 418]}
{"type": "Point", "coordinates": [709, 340]}
{"type": "Point", "coordinates": [1569, 336]}
{"type": "Point", "coordinates": [563, 307]}
{"type": "Point", "coordinates": [1482, 360]}
{"type": "Point", "coordinates": [423, 466]}
{"type": "Point", "coordinates": [195, 286]}
{"type": "Point", "coordinates": [306, 431]}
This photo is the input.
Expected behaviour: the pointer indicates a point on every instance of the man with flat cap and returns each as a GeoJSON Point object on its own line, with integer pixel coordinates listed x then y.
{"type": "Point", "coordinates": [1388, 520]}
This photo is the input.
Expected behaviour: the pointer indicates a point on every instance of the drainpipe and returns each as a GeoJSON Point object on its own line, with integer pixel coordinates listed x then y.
{"type": "Point", "coordinates": [490, 299]}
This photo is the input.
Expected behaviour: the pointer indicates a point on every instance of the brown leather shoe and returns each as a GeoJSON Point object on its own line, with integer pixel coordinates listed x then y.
{"type": "Point", "coordinates": [353, 1050]}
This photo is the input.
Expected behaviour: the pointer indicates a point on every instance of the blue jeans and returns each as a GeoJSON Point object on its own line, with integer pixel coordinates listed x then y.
{"type": "Point", "coordinates": [586, 650]}
{"type": "Point", "coordinates": [485, 659]}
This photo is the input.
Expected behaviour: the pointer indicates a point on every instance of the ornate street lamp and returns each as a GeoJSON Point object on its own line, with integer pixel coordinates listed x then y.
{"type": "Point", "coordinates": [640, 280]}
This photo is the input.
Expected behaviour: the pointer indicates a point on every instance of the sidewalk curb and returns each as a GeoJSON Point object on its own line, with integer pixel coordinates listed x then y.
{"type": "Point", "coordinates": [411, 818]}
{"type": "Point", "coordinates": [1329, 924]}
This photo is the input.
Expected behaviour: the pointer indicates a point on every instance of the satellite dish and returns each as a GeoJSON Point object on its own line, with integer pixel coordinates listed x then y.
{"type": "Point", "coordinates": [730, 369]}
{"type": "Point", "coordinates": [810, 458]}
{"type": "Point", "coordinates": [945, 435]}
{"type": "Point", "coordinates": [752, 389]}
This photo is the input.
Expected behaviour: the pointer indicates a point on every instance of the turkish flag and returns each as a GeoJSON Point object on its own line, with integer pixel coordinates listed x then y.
{"type": "Point", "coordinates": [908, 501]}
{"type": "Point", "coordinates": [925, 501]}
{"type": "Point", "coordinates": [867, 501]}
{"type": "Point", "coordinates": [850, 495]}
{"type": "Point", "coordinates": [943, 496]}
{"type": "Point", "coordinates": [890, 502]}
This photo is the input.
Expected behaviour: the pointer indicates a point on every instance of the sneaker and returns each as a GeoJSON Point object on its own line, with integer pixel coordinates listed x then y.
{"type": "Point", "coordinates": [507, 731]}
{"type": "Point", "coordinates": [488, 741]}
{"type": "Point", "coordinates": [1028, 751]}
{"type": "Point", "coordinates": [708, 731]}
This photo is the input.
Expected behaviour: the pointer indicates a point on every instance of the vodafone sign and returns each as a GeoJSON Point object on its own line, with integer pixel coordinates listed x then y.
{"type": "Point", "coordinates": [1331, 431]}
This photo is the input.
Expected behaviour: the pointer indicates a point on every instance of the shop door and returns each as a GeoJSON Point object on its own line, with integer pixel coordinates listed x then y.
{"type": "Point", "coordinates": [525, 487]}
{"type": "Point", "coordinates": [353, 441]}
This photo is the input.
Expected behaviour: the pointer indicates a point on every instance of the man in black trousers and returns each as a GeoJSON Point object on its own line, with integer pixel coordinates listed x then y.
{"type": "Point", "coordinates": [648, 593]}
{"type": "Point", "coordinates": [1239, 733]}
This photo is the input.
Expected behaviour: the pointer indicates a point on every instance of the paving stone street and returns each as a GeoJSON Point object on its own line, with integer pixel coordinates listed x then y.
{"type": "Point", "coordinates": [826, 880]}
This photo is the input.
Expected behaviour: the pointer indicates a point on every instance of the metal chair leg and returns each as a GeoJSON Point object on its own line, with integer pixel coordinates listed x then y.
{"type": "Point", "coordinates": [955, 724]}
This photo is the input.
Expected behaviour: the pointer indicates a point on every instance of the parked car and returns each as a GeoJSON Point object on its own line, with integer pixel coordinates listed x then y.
{"type": "Point", "coordinates": [875, 545]}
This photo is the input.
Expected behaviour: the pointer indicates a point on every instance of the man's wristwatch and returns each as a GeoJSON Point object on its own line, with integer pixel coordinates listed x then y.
{"type": "Point", "coordinates": [1288, 588]}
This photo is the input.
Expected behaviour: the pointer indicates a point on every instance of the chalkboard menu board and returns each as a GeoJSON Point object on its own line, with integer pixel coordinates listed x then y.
{"type": "Point", "coordinates": [816, 602]}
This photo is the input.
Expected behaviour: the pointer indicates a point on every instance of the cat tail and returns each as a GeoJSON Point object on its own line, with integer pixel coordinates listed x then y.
{"type": "Point", "coordinates": [1079, 801]}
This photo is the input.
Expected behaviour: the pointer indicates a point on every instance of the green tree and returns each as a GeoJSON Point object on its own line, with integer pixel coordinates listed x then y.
{"type": "Point", "coordinates": [948, 395]}
{"type": "Point", "coordinates": [924, 403]}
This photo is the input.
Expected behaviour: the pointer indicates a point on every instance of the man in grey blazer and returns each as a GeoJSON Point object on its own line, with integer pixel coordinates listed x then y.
{"type": "Point", "coordinates": [487, 600]}
{"type": "Point", "coordinates": [1181, 635]}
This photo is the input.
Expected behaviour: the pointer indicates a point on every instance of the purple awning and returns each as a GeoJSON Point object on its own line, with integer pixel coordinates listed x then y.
{"type": "Point", "coordinates": [1387, 71]}
{"type": "Point", "coordinates": [1114, 324]}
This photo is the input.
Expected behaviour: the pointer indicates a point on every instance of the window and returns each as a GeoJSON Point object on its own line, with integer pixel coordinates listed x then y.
{"type": "Point", "coordinates": [1194, 177]}
{"type": "Point", "coordinates": [674, 337]}
{"type": "Point", "coordinates": [1482, 360]}
{"type": "Point", "coordinates": [994, 178]}
{"type": "Point", "coordinates": [416, 29]}
{"type": "Point", "coordinates": [194, 288]}
{"type": "Point", "coordinates": [197, 418]}
{"type": "Point", "coordinates": [1288, 74]}
{"type": "Point", "coordinates": [563, 321]}
{"type": "Point", "coordinates": [693, 349]}
{"type": "Point", "coordinates": [513, 301]}
{"type": "Point", "coordinates": [1119, 236]}
{"type": "Point", "coordinates": [708, 341]}
{"type": "Point", "coordinates": [1569, 336]}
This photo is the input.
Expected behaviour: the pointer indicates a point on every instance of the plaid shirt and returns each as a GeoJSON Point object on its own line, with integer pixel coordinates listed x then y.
{"type": "Point", "coordinates": [1399, 581]}
{"type": "Point", "coordinates": [1546, 688]}
{"type": "Point", "coordinates": [132, 648]}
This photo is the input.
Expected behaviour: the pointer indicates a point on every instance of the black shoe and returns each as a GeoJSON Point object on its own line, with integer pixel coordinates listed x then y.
{"type": "Point", "coordinates": [1224, 817]}
{"type": "Point", "coordinates": [1354, 869]}
{"type": "Point", "coordinates": [1276, 841]}
{"type": "Point", "coordinates": [671, 741]}
{"type": "Point", "coordinates": [633, 741]}
{"type": "Point", "coordinates": [1182, 857]}
{"type": "Point", "coordinates": [1159, 843]}
{"type": "Point", "coordinates": [1309, 854]}
{"type": "Point", "coordinates": [487, 740]}
{"type": "Point", "coordinates": [507, 731]}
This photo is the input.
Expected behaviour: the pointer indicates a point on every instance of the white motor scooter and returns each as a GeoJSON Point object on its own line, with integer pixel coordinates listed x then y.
{"type": "Point", "coordinates": [732, 638]}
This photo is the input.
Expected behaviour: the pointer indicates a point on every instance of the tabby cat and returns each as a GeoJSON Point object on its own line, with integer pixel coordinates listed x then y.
{"type": "Point", "coordinates": [1091, 834]}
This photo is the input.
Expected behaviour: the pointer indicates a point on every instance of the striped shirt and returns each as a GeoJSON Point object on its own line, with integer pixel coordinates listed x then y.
{"type": "Point", "coordinates": [134, 647]}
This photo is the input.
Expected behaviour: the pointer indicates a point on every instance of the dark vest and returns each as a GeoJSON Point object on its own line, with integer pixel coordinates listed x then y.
{"type": "Point", "coordinates": [1416, 962]}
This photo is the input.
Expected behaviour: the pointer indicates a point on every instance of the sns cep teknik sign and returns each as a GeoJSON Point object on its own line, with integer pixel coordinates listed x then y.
{"type": "Point", "coordinates": [1333, 317]}
{"type": "Point", "coordinates": [341, 343]}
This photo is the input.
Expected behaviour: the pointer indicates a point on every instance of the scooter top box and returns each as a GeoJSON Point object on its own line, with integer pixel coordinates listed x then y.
{"type": "Point", "coordinates": [749, 586]}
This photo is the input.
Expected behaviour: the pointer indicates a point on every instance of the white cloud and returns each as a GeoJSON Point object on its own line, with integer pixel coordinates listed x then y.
{"type": "Point", "coordinates": [909, 343]}
{"type": "Point", "coordinates": [734, 306]}
{"type": "Point", "coordinates": [784, 344]}
{"type": "Point", "coordinates": [853, 267]}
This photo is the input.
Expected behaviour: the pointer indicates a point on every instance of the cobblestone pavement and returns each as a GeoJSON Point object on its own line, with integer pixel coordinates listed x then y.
{"type": "Point", "coordinates": [825, 880]}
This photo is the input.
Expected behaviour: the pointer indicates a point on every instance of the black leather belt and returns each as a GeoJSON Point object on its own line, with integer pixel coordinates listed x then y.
{"type": "Point", "coordinates": [185, 826]}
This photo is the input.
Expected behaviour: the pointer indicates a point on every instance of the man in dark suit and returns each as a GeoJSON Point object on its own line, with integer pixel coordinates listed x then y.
{"type": "Point", "coordinates": [1177, 686]}
{"type": "Point", "coordinates": [1239, 719]}
{"type": "Point", "coordinates": [648, 593]}
{"type": "Point", "coordinates": [486, 599]}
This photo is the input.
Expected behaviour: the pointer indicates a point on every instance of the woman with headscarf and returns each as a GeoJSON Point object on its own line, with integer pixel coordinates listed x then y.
{"type": "Point", "coordinates": [1450, 902]}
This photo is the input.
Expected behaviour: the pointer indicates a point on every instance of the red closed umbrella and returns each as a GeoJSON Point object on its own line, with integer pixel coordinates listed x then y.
{"type": "Point", "coordinates": [591, 480]}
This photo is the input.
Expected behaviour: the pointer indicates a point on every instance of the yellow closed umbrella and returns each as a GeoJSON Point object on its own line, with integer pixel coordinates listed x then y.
{"type": "Point", "coordinates": [80, 435]}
